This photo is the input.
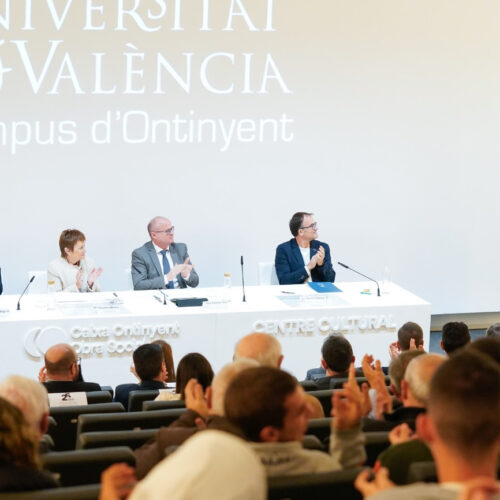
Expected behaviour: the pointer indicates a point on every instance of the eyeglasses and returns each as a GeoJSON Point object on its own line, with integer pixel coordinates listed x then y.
{"type": "Point", "coordinates": [311, 226]}
{"type": "Point", "coordinates": [170, 230]}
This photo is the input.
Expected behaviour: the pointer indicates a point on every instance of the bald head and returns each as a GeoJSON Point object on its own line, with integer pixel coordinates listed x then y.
{"type": "Point", "coordinates": [60, 361]}
{"type": "Point", "coordinates": [157, 223]}
{"type": "Point", "coordinates": [264, 348]}
{"type": "Point", "coordinates": [419, 374]}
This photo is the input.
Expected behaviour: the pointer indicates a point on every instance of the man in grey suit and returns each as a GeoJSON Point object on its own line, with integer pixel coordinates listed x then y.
{"type": "Point", "coordinates": [161, 263]}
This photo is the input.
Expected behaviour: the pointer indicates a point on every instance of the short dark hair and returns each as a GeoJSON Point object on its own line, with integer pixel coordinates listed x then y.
{"type": "Point", "coordinates": [68, 239]}
{"type": "Point", "coordinates": [337, 353]}
{"type": "Point", "coordinates": [487, 345]}
{"type": "Point", "coordinates": [193, 365]}
{"type": "Point", "coordinates": [464, 402]}
{"type": "Point", "coordinates": [493, 330]}
{"type": "Point", "coordinates": [147, 361]}
{"type": "Point", "coordinates": [410, 331]}
{"type": "Point", "coordinates": [399, 364]}
{"type": "Point", "coordinates": [455, 335]}
{"type": "Point", "coordinates": [296, 222]}
{"type": "Point", "coordinates": [256, 398]}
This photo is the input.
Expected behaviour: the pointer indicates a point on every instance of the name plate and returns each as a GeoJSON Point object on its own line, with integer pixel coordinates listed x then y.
{"type": "Point", "coordinates": [58, 399]}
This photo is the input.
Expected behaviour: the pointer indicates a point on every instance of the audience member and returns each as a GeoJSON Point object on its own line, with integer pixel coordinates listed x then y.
{"type": "Point", "coordinates": [149, 367]}
{"type": "Point", "coordinates": [30, 397]}
{"type": "Point", "coordinates": [397, 369]}
{"type": "Point", "coordinates": [208, 412]}
{"type": "Point", "coordinates": [19, 460]}
{"type": "Point", "coordinates": [410, 334]}
{"type": "Point", "coordinates": [212, 464]}
{"type": "Point", "coordinates": [192, 365]}
{"type": "Point", "coordinates": [455, 335]}
{"type": "Point", "coordinates": [414, 392]}
{"type": "Point", "coordinates": [461, 427]}
{"type": "Point", "coordinates": [61, 372]}
{"type": "Point", "coordinates": [487, 345]}
{"type": "Point", "coordinates": [168, 358]}
{"type": "Point", "coordinates": [262, 347]}
{"type": "Point", "coordinates": [270, 408]}
{"type": "Point", "coordinates": [493, 330]}
{"type": "Point", "coordinates": [336, 358]}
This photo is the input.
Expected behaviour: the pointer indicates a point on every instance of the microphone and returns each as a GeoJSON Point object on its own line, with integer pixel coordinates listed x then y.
{"type": "Point", "coordinates": [361, 274]}
{"type": "Point", "coordinates": [243, 280]}
{"type": "Point", "coordinates": [24, 291]}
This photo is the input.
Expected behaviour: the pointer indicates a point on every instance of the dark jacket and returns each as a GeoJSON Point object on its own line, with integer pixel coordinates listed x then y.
{"type": "Point", "coordinates": [18, 478]}
{"type": "Point", "coordinates": [404, 414]}
{"type": "Point", "coordinates": [122, 391]}
{"type": "Point", "coordinates": [290, 264]}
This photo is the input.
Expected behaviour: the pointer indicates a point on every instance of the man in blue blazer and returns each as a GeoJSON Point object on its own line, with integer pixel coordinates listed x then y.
{"type": "Point", "coordinates": [303, 258]}
{"type": "Point", "coordinates": [161, 263]}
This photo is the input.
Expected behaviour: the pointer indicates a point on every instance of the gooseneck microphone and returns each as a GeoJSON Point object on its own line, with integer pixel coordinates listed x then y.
{"type": "Point", "coordinates": [243, 280]}
{"type": "Point", "coordinates": [361, 274]}
{"type": "Point", "coordinates": [24, 291]}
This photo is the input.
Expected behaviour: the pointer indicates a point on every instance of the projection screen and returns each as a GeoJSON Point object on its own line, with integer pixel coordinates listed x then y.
{"type": "Point", "coordinates": [227, 116]}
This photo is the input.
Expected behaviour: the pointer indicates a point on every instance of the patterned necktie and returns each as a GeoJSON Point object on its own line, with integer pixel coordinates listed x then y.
{"type": "Point", "coordinates": [166, 267]}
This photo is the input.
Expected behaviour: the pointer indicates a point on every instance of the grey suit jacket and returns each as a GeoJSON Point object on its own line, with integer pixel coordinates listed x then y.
{"type": "Point", "coordinates": [147, 273]}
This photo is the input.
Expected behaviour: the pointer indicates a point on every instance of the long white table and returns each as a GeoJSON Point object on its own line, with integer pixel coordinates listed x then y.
{"type": "Point", "coordinates": [105, 329]}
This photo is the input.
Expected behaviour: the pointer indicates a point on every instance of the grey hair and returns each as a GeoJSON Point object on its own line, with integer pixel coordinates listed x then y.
{"type": "Point", "coordinates": [27, 395]}
{"type": "Point", "coordinates": [262, 347]}
{"type": "Point", "coordinates": [222, 380]}
{"type": "Point", "coordinates": [419, 373]}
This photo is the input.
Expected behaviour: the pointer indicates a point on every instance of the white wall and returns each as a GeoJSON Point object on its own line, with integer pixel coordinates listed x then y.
{"type": "Point", "coordinates": [393, 143]}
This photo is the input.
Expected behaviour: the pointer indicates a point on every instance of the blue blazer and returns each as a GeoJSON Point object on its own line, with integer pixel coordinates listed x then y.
{"type": "Point", "coordinates": [290, 264]}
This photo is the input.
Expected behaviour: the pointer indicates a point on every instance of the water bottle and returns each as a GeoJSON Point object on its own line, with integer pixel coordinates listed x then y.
{"type": "Point", "coordinates": [227, 286]}
{"type": "Point", "coordinates": [51, 295]}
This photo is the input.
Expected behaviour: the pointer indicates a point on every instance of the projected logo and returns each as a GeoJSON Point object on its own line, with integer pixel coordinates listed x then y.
{"type": "Point", "coordinates": [38, 340]}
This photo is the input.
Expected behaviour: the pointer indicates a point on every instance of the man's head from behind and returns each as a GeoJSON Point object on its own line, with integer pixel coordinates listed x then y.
{"type": "Point", "coordinates": [455, 335]}
{"type": "Point", "coordinates": [216, 393]}
{"type": "Point", "coordinates": [268, 405]}
{"type": "Point", "coordinates": [410, 331]}
{"type": "Point", "coordinates": [264, 348]}
{"type": "Point", "coordinates": [416, 384]}
{"type": "Point", "coordinates": [493, 331]}
{"type": "Point", "coordinates": [61, 363]}
{"type": "Point", "coordinates": [148, 362]}
{"type": "Point", "coordinates": [31, 398]}
{"type": "Point", "coordinates": [337, 354]}
{"type": "Point", "coordinates": [397, 369]}
{"type": "Point", "coordinates": [464, 407]}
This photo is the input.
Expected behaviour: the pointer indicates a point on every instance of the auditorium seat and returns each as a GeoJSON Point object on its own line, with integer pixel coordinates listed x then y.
{"type": "Point", "coordinates": [85, 492]}
{"type": "Point", "coordinates": [319, 427]}
{"type": "Point", "coordinates": [135, 399]}
{"type": "Point", "coordinates": [376, 443]}
{"type": "Point", "coordinates": [79, 467]}
{"type": "Point", "coordinates": [96, 397]}
{"type": "Point", "coordinates": [128, 421]}
{"type": "Point", "coordinates": [163, 405]}
{"type": "Point", "coordinates": [133, 439]}
{"type": "Point", "coordinates": [338, 485]}
{"type": "Point", "coordinates": [64, 433]}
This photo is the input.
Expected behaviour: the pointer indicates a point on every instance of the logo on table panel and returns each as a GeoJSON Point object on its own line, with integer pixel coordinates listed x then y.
{"type": "Point", "coordinates": [38, 340]}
